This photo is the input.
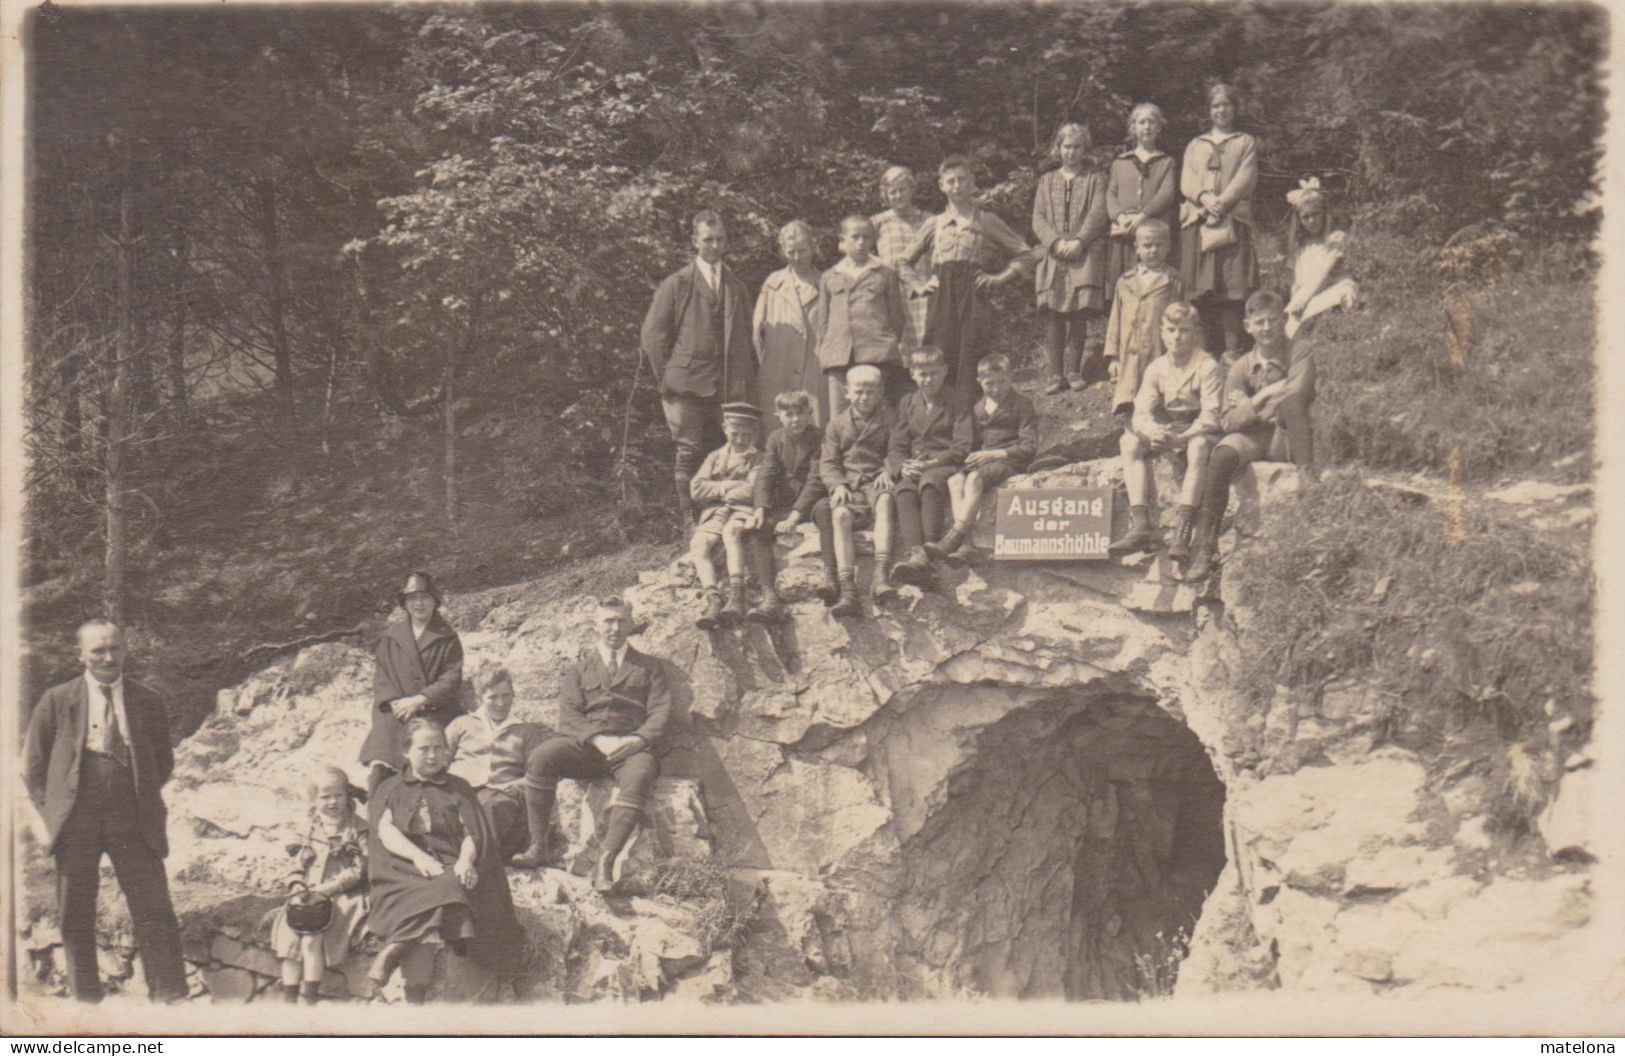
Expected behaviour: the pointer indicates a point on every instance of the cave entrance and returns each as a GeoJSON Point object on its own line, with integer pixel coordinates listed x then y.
{"type": "Point", "coordinates": [1071, 856]}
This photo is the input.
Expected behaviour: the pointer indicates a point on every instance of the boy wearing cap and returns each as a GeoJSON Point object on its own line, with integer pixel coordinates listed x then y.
{"type": "Point", "coordinates": [418, 670]}
{"type": "Point", "coordinates": [787, 489]}
{"type": "Point", "coordinates": [724, 492]}
{"type": "Point", "coordinates": [853, 468]}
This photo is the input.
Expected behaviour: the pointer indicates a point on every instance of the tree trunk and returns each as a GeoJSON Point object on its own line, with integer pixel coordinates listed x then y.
{"type": "Point", "coordinates": [276, 294]}
{"type": "Point", "coordinates": [450, 415]}
{"type": "Point", "coordinates": [73, 426]}
{"type": "Point", "coordinates": [179, 403]}
{"type": "Point", "coordinates": [117, 557]}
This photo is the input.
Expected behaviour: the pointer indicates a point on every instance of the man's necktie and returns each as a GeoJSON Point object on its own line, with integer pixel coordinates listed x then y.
{"type": "Point", "coordinates": [115, 740]}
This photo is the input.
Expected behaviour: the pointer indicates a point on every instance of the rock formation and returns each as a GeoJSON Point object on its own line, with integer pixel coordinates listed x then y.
{"type": "Point", "coordinates": [1037, 782]}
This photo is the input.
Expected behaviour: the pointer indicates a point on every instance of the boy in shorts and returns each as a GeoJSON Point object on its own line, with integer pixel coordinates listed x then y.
{"type": "Point", "coordinates": [724, 492]}
{"type": "Point", "coordinates": [853, 468]}
{"type": "Point", "coordinates": [1004, 438]}
{"type": "Point", "coordinates": [1176, 413]}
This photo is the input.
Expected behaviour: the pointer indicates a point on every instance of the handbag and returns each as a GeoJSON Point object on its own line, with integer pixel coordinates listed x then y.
{"type": "Point", "coordinates": [308, 912]}
{"type": "Point", "coordinates": [1219, 235]}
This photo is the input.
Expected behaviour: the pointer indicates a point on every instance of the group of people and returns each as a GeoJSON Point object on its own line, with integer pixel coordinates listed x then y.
{"type": "Point", "coordinates": [833, 357]}
{"type": "Point", "coordinates": [892, 415]}
{"type": "Point", "coordinates": [455, 797]}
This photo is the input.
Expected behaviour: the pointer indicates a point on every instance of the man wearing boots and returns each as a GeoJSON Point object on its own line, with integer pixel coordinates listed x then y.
{"type": "Point", "coordinates": [614, 704]}
{"type": "Point", "coordinates": [697, 336]}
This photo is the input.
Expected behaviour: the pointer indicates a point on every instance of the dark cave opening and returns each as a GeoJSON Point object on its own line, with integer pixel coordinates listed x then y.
{"type": "Point", "coordinates": [1071, 856]}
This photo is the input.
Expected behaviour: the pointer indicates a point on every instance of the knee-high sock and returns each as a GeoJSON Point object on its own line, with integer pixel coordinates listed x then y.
{"type": "Point", "coordinates": [1221, 466]}
{"type": "Point", "coordinates": [825, 520]}
{"type": "Point", "coordinates": [622, 820]}
{"type": "Point", "coordinates": [1055, 341]}
{"type": "Point", "coordinates": [908, 519]}
{"type": "Point", "coordinates": [933, 510]}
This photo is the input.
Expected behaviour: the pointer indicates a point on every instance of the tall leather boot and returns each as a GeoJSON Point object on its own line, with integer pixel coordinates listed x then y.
{"type": "Point", "coordinates": [1184, 533]}
{"type": "Point", "coordinates": [539, 816]}
{"type": "Point", "coordinates": [622, 822]}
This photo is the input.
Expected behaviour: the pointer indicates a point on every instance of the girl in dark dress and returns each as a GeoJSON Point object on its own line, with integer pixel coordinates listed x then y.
{"type": "Point", "coordinates": [435, 866]}
{"type": "Point", "coordinates": [418, 670]}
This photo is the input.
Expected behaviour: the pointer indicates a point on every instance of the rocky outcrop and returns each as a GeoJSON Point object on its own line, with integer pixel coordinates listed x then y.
{"type": "Point", "coordinates": [1038, 781]}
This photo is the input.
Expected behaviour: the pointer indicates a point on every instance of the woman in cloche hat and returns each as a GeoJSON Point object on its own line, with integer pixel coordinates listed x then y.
{"type": "Point", "coordinates": [418, 672]}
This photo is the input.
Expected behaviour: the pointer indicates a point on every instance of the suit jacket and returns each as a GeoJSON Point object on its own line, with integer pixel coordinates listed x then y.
{"type": "Point", "coordinates": [859, 319]}
{"type": "Point", "coordinates": [854, 453]}
{"type": "Point", "coordinates": [1013, 428]}
{"type": "Point", "coordinates": [684, 357]}
{"type": "Point", "coordinates": [789, 473]}
{"type": "Point", "coordinates": [942, 435]}
{"type": "Point", "coordinates": [637, 700]}
{"type": "Point", "coordinates": [55, 744]}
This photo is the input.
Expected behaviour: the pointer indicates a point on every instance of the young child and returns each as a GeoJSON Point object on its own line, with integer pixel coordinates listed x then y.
{"type": "Point", "coordinates": [787, 489]}
{"type": "Point", "coordinates": [1314, 250]}
{"type": "Point", "coordinates": [928, 445]}
{"type": "Point", "coordinates": [969, 249]}
{"type": "Point", "coordinates": [1216, 248]}
{"type": "Point", "coordinates": [1134, 331]}
{"type": "Point", "coordinates": [1266, 416]}
{"type": "Point", "coordinates": [1004, 438]}
{"type": "Point", "coordinates": [853, 469]}
{"type": "Point", "coordinates": [724, 491]}
{"type": "Point", "coordinates": [489, 750]}
{"type": "Point", "coordinates": [436, 873]}
{"type": "Point", "coordinates": [860, 316]}
{"type": "Point", "coordinates": [1069, 218]}
{"type": "Point", "coordinates": [332, 862]}
{"type": "Point", "coordinates": [1176, 413]}
{"type": "Point", "coordinates": [1140, 185]}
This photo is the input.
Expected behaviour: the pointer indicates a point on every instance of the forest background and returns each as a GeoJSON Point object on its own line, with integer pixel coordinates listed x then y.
{"type": "Point", "coordinates": [318, 295]}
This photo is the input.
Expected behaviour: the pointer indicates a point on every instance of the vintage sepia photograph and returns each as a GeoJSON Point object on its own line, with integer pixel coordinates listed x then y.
{"type": "Point", "coordinates": [601, 516]}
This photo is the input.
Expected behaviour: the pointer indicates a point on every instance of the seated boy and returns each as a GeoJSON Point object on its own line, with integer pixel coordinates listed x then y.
{"type": "Point", "coordinates": [787, 488]}
{"type": "Point", "coordinates": [489, 752]}
{"type": "Point", "coordinates": [1175, 413]}
{"type": "Point", "coordinates": [928, 445]}
{"type": "Point", "coordinates": [724, 491]}
{"type": "Point", "coordinates": [1266, 417]}
{"type": "Point", "coordinates": [853, 469]}
{"type": "Point", "coordinates": [1004, 438]}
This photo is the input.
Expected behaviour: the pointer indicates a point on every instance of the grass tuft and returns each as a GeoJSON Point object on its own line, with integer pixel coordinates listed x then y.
{"type": "Point", "coordinates": [724, 910]}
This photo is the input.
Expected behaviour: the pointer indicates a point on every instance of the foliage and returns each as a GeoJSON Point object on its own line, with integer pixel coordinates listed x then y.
{"type": "Point", "coordinates": [724, 910]}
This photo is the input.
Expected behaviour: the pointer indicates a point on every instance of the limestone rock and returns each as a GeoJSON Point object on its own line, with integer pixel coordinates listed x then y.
{"type": "Point", "coordinates": [1032, 782]}
{"type": "Point", "coordinates": [1566, 823]}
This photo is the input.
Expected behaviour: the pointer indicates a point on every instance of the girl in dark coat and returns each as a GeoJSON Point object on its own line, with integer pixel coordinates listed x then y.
{"type": "Point", "coordinates": [418, 672]}
{"type": "Point", "coordinates": [435, 866]}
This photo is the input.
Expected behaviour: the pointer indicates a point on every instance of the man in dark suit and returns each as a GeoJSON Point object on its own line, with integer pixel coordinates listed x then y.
{"type": "Point", "coordinates": [614, 704]}
{"type": "Point", "coordinates": [96, 757]}
{"type": "Point", "coordinates": [697, 337]}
